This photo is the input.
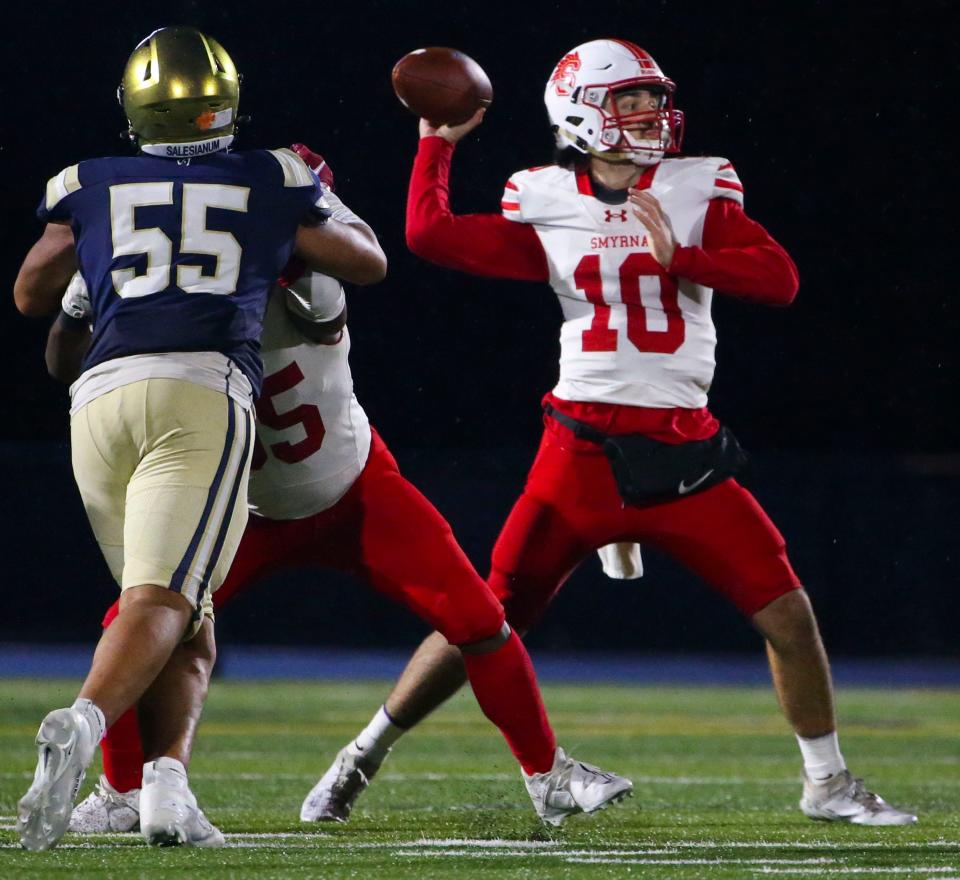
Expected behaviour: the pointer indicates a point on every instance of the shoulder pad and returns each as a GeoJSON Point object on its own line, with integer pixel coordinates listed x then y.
{"type": "Point", "coordinates": [61, 185]}
{"type": "Point", "coordinates": [726, 183]}
{"type": "Point", "coordinates": [536, 195]}
{"type": "Point", "coordinates": [711, 176]}
{"type": "Point", "coordinates": [295, 170]}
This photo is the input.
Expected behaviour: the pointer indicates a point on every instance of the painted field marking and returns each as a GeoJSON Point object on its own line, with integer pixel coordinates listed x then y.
{"type": "Point", "coordinates": [667, 847]}
{"type": "Point", "coordinates": [763, 869]}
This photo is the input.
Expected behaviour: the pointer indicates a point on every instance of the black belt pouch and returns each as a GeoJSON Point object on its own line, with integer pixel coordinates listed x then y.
{"type": "Point", "coordinates": [650, 472]}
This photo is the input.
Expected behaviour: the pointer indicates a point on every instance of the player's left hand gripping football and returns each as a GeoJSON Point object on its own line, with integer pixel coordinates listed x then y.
{"type": "Point", "coordinates": [452, 133]}
{"type": "Point", "coordinates": [646, 208]}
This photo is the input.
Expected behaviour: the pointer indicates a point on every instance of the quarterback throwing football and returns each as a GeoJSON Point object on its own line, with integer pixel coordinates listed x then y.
{"type": "Point", "coordinates": [634, 245]}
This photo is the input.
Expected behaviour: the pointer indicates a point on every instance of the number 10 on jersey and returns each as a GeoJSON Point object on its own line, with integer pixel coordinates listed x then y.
{"type": "Point", "coordinates": [601, 336]}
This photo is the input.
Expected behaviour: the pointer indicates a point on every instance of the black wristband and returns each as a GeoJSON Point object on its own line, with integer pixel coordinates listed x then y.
{"type": "Point", "coordinates": [69, 321]}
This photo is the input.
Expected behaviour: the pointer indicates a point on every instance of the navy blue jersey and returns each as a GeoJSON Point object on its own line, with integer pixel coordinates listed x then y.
{"type": "Point", "coordinates": [179, 255]}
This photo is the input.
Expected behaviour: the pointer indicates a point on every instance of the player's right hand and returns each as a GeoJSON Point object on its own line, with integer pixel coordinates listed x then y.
{"type": "Point", "coordinates": [452, 133]}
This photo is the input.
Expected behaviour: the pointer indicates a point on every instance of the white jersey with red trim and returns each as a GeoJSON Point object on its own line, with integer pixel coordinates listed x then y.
{"type": "Point", "coordinates": [632, 334]}
{"type": "Point", "coordinates": [313, 436]}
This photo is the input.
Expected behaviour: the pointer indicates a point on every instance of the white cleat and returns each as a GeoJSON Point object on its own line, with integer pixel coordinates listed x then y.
{"type": "Point", "coordinates": [65, 749]}
{"type": "Point", "coordinates": [333, 797]}
{"type": "Point", "coordinates": [571, 786]}
{"type": "Point", "coordinates": [107, 811]}
{"type": "Point", "coordinates": [169, 815]}
{"type": "Point", "coordinates": [843, 798]}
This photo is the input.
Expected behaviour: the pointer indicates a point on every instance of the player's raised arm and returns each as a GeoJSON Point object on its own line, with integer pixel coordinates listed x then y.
{"type": "Point", "coordinates": [481, 244]}
{"type": "Point", "coordinates": [46, 271]}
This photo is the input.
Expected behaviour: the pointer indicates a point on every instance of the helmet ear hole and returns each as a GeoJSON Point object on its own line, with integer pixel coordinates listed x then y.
{"type": "Point", "coordinates": [575, 120]}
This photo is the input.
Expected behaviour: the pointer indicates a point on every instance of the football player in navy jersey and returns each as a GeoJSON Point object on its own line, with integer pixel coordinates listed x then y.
{"type": "Point", "coordinates": [178, 247]}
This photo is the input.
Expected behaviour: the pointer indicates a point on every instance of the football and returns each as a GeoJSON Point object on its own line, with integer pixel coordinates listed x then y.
{"type": "Point", "coordinates": [441, 85]}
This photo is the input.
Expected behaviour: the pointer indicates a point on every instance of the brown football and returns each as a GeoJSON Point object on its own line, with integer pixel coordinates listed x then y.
{"type": "Point", "coordinates": [441, 85]}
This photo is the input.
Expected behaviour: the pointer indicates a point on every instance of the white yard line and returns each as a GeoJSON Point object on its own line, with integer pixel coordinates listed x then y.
{"type": "Point", "coordinates": [663, 855]}
{"type": "Point", "coordinates": [763, 868]}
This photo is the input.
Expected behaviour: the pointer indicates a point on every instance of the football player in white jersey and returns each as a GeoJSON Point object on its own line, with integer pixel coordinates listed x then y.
{"type": "Point", "coordinates": [634, 244]}
{"type": "Point", "coordinates": [326, 492]}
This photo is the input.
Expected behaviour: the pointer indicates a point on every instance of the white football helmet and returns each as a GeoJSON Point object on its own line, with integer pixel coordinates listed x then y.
{"type": "Point", "coordinates": [581, 99]}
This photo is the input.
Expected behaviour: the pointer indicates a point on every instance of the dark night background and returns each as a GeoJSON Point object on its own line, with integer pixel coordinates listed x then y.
{"type": "Point", "coordinates": [835, 116]}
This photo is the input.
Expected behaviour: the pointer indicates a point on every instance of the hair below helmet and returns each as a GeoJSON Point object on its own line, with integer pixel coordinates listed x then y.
{"type": "Point", "coordinates": [581, 98]}
{"type": "Point", "coordinates": [179, 87]}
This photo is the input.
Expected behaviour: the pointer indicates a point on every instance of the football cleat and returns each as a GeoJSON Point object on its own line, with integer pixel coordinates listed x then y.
{"type": "Point", "coordinates": [65, 746]}
{"type": "Point", "coordinates": [169, 815]}
{"type": "Point", "coordinates": [571, 786]}
{"type": "Point", "coordinates": [333, 797]}
{"type": "Point", "coordinates": [106, 810]}
{"type": "Point", "coordinates": [843, 798]}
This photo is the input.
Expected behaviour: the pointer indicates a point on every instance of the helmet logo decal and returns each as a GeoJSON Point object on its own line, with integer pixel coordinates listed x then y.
{"type": "Point", "coordinates": [205, 120]}
{"type": "Point", "coordinates": [564, 77]}
{"type": "Point", "coordinates": [208, 119]}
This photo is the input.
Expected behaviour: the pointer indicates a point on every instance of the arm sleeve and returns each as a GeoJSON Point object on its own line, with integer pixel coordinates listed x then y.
{"type": "Point", "coordinates": [481, 244]}
{"type": "Point", "coordinates": [738, 257]}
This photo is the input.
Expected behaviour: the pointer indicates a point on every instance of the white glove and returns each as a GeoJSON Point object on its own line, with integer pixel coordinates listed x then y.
{"type": "Point", "coordinates": [621, 561]}
{"type": "Point", "coordinates": [76, 300]}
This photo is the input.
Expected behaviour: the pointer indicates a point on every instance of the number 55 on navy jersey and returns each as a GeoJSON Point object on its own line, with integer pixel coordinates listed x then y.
{"type": "Point", "coordinates": [180, 255]}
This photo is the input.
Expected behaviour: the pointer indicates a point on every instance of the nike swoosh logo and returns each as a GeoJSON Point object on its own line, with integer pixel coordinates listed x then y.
{"type": "Point", "coordinates": [684, 488]}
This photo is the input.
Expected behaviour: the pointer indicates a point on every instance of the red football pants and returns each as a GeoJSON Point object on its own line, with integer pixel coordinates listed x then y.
{"type": "Point", "coordinates": [387, 533]}
{"type": "Point", "coordinates": [570, 507]}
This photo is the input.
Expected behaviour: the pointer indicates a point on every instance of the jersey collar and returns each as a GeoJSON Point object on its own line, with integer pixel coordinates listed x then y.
{"type": "Point", "coordinates": [586, 188]}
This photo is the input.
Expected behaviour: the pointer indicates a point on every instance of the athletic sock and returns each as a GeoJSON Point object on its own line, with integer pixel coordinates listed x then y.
{"type": "Point", "coordinates": [377, 737]}
{"type": "Point", "coordinates": [122, 752]}
{"type": "Point", "coordinates": [89, 710]}
{"type": "Point", "coordinates": [171, 764]}
{"type": "Point", "coordinates": [821, 756]}
{"type": "Point", "coordinates": [505, 686]}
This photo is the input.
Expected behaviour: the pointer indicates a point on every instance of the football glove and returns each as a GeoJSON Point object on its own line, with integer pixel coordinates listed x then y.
{"type": "Point", "coordinates": [76, 300]}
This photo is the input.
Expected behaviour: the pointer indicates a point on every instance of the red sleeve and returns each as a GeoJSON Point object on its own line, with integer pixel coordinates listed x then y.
{"type": "Point", "coordinates": [481, 244]}
{"type": "Point", "coordinates": [739, 257]}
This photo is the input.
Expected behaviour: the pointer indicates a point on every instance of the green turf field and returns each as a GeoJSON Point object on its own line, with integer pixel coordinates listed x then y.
{"type": "Point", "coordinates": [716, 775]}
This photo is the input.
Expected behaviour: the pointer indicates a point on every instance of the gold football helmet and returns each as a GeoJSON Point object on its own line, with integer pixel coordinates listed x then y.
{"type": "Point", "coordinates": [179, 86]}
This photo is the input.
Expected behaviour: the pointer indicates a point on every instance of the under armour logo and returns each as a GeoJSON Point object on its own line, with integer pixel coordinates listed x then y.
{"type": "Point", "coordinates": [620, 215]}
